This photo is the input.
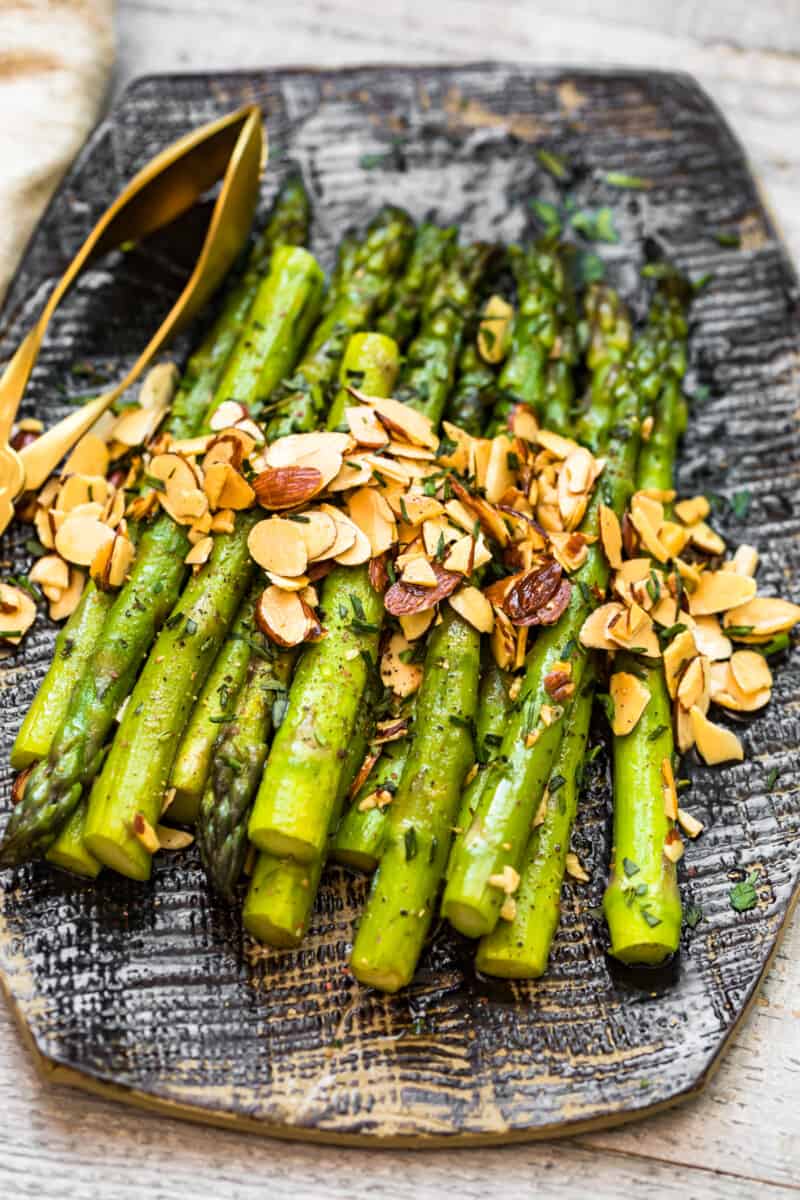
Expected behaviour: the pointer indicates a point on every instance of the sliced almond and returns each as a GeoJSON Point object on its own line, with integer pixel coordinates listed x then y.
{"type": "Point", "coordinates": [227, 414]}
{"type": "Point", "coordinates": [499, 475]}
{"type": "Point", "coordinates": [319, 532]}
{"type": "Point", "coordinates": [403, 678]}
{"type": "Point", "coordinates": [50, 571]}
{"type": "Point", "coordinates": [461, 556]}
{"type": "Point", "coordinates": [401, 418]}
{"type": "Point", "coordinates": [420, 508]}
{"type": "Point", "coordinates": [709, 638]}
{"type": "Point", "coordinates": [503, 640]}
{"type": "Point", "coordinates": [415, 625]}
{"type": "Point", "coordinates": [693, 687]}
{"type": "Point", "coordinates": [357, 553]}
{"type": "Point", "coordinates": [472, 605]}
{"type": "Point", "coordinates": [634, 631]}
{"type": "Point", "coordinates": [647, 517]}
{"type": "Point", "coordinates": [173, 471]}
{"type": "Point", "coordinates": [371, 513]}
{"type": "Point", "coordinates": [192, 447]}
{"type": "Point", "coordinates": [676, 656]}
{"type": "Point", "coordinates": [524, 424]}
{"type": "Point", "coordinates": [669, 789]}
{"type": "Point", "coordinates": [705, 539]}
{"type": "Point", "coordinates": [673, 846]}
{"type": "Point", "coordinates": [673, 538]}
{"type": "Point", "coordinates": [355, 471]}
{"type": "Point", "coordinates": [17, 614]}
{"type": "Point", "coordinates": [480, 451]}
{"type": "Point", "coordinates": [575, 868]}
{"type": "Point", "coordinates": [291, 449]}
{"type": "Point", "coordinates": [693, 510]}
{"type": "Point", "coordinates": [763, 618]}
{"type": "Point", "coordinates": [173, 839]}
{"type": "Point", "coordinates": [65, 605]}
{"type": "Point", "coordinates": [494, 330]}
{"type": "Point", "coordinates": [346, 531]}
{"type": "Point", "coordinates": [720, 591]}
{"type": "Point", "coordinates": [144, 833]}
{"type": "Point", "coordinates": [716, 745]}
{"type": "Point", "coordinates": [136, 425]}
{"type": "Point", "coordinates": [284, 617]}
{"type": "Point", "coordinates": [458, 459]}
{"type": "Point", "coordinates": [80, 537]}
{"type": "Point", "coordinates": [223, 521]}
{"type": "Point", "coordinates": [684, 732]}
{"type": "Point", "coordinates": [200, 552]}
{"type": "Point", "coordinates": [365, 427]}
{"type": "Point", "coordinates": [611, 536]}
{"type": "Point", "coordinates": [419, 571]}
{"type": "Point", "coordinates": [689, 824]}
{"type": "Point", "coordinates": [630, 698]}
{"type": "Point", "coordinates": [574, 485]}
{"type": "Point", "coordinates": [593, 633]}
{"type": "Point", "coordinates": [89, 457]}
{"type": "Point", "coordinates": [725, 691]}
{"type": "Point", "coordinates": [745, 560]}
{"type": "Point", "coordinates": [384, 468]}
{"type": "Point", "coordinates": [297, 583]}
{"type": "Point", "coordinates": [185, 507]}
{"type": "Point", "coordinates": [286, 487]}
{"type": "Point", "coordinates": [751, 671]}
{"type": "Point", "coordinates": [560, 447]}
{"type": "Point", "coordinates": [122, 555]}
{"type": "Point", "coordinates": [277, 545]}
{"type": "Point", "coordinates": [82, 489]}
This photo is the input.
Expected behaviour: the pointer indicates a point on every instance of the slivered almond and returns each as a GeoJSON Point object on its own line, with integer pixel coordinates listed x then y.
{"type": "Point", "coordinates": [115, 509]}
{"type": "Point", "coordinates": [384, 468]}
{"type": "Point", "coordinates": [499, 476]}
{"type": "Point", "coordinates": [287, 487]}
{"type": "Point", "coordinates": [630, 698]}
{"type": "Point", "coordinates": [420, 454]}
{"type": "Point", "coordinates": [709, 638]}
{"type": "Point", "coordinates": [319, 532]}
{"type": "Point", "coordinates": [401, 418]}
{"type": "Point", "coordinates": [80, 537]}
{"type": "Point", "coordinates": [371, 513]}
{"type": "Point", "coordinates": [121, 557]}
{"type": "Point", "coordinates": [89, 457]}
{"type": "Point", "coordinates": [611, 536]}
{"type": "Point", "coordinates": [277, 545]}
{"type": "Point", "coordinates": [365, 427]}
{"type": "Point", "coordinates": [693, 510]}
{"type": "Point", "coordinates": [403, 678]}
{"type": "Point", "coordinates": [524, 424]}
{"type": "Point", "coordinates": [719, 591]}
{"type": "Point", "coordinates": [480, 452]}
{"type": "Point", "coordinates": [284, 617]}
{"type": "Point", "coordinates": [716, 745]}
{"type": "Point", "coordinates": [414, 625]}
{"type": "Point", "coordinates": [200, 552]}
{"type": "Point", "coordinates": [684, 733]}
{"type": "Point", "coordinates": [419, 571]}
{"type": "Point", "coordinates": [50, 571]}
{"type": "Point", "coordinates": [472, 605]}
{"type": "Point", "coordinates": [763, 617]}
{"type": "Point", "coordinates": [676, 656]}
{"type": "Point", "coordinates": [575, 868]}
{"type": "Point", "coordinates": [751, 671]}
{"type": "Point", "coordinates": [503, 640]}
{"type": "Point", "coordinates": [65, 605]}
{"type": "Point", "coordinates": [494, 330]}
{"type": "Point", "coordinates": [647, 517]}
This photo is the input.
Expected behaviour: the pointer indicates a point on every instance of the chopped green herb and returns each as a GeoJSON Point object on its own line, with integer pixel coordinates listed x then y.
{"type": "Point", "coordinates": [692, 915]}
{"type": "Point", "coordinates": [630, 868]}
{"type": "Point", "coordinates": [547, 214]}
{"type": "Point", "coordinates": [410, 840]}
{"type": "Point", "coordinates": [649, 918]}
{"type": "Point", "coordinates": [554, 163]}
{"type": "Point", "coordinates": [724, 238]}
{"type": "Point", "coordinates": [738, 630]}
{"type": "Point", "coordinates": [772, 777]}
{"type": "Point", "coordinates": [621, 180]}
{"type": "Point", "coordinates": [596, 226]}
{"type": "Point", "coordinates": [743, 895]}
{"type": "Point", "coordinates": [740, 504]}
{"type": "Point", "coordinates": [657, 732]}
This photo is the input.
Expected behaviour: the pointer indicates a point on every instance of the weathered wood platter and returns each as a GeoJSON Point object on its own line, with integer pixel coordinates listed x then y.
{"type": "Point", "coordinates": [151, 993]}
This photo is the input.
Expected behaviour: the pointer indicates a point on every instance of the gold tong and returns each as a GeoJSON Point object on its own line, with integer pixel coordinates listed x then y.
{"type": "Point", "coordinates": [229, 149]}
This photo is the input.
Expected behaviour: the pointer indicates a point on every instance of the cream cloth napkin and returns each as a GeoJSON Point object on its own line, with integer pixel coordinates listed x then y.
{"type": "Point", "coordinates": [55, 60]}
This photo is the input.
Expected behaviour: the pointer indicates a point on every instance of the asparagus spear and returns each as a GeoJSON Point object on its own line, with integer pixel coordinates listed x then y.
{"type": "Point", "coordinates": [288, 225]}
{"type": "Point", "coordinates": [54, 787]}
{"type": "Point", "coordinates": [519, 948]}
{"type": "Point", "coordinates": [297, 797]}
{"type": "Point", "coordinates": [513, 788]}
{"type": "Point", "coordinates": [474, 393]}
{"type": "Point", "coordinates": [346, 260]}
{"type": "Point", "coordinates": [405, 887]}
{"type": "Point", "coordinates": [432, 247]}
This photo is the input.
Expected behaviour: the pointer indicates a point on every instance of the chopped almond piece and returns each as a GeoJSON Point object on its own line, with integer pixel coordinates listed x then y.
{"type": "Point", "coordinates": [684, 733]}
{"type": "Point", "coordinates": [505, 881]}
{"type": "Point", "coordinates": [357, 553]}
{"type": "Point", "coordinates": [677, 656]}
{"type": "Point", "coordinates": [668, 613]}
{"type": "Point", "coordinates": [414, 625]}
{"type": "Point", "coordinates": [593, 631]}
{"type": "Point", "coordinates": [574, 485]}
{"type": "Point", "coordinates": [365, 427]}
{"type": "Point", "coordinates": [227, 415]}
{"type": "Point", "coordinates": [693, 687]}
{"type": "Point", "coordinates": [494, 330]}
{"type": "Point", "coordinates": [710, 640]}
{"type": "Point", "coordinates": [503, 640]}
{"type": "Point", "coordinates": [575, 868]}
{"type": "Point", "coordinates": [508, 909]}
{"type": "Point", "coordinates": [80, 537]}
{"type": "Point", "coordinates": [420, 571]}
{"type": "Point", "coordinates": [647, 428]}
{"type": "Point", "coordinates": [472, 605]}
{"type": "Point", "coordinates": [673, 846]}
{"type": "Point", "coordinates": [630, 698]}
{"type": "Point", "coordinates": [751, 671]}
{"type": "Point", "coordinates": [223, 521]}
{"type": "Point", "coordinates": [82, 489]}
{"type": "Point", "coordinates": [459, 457]}
{"type": "Point", "coordinates": [647, 517]}
{"type": "Point", "coordinates": [705, 539]}
{"type": "Point", "coordinates": [50, 571]}
{"type": "Point", "coordinates": [669, 789]}
{"type": "Point", "coordinates": [144, 832]}
{"type": "Point", "coordinates": [745, 560]}
{"type": "Point", "coordinates": [66, 603]}
{"type": "Point", "coordinates": [689, 824]}
{"type": "Point", "coordinates": [403, 678]}
{"type": "Point", "coordinates": [284, 617]}
{"type": "Point", "coordinates": [226, 488]}
{"type": "Point", "coordinates": [673, 538]}
{"type": "Point", "coordinates": [420, 508]}
{"type": "Point", "coordinates": [634, 630]}
{"type": "Point", "coordinates": [570, 549]}
{"type": "Point", "coordinates": [461, 556]}
{"type": "Point", "coordinates": [277, 545]}
{"type": "Point", "coordinates": [122, 555]}
{"type": "Point", "coordinates": [89, 457]}
{"type": "Point", "coordinates": [762, 617]}
{"type": "Point", "coordinates": [719, 591]}
{"type": "Point", "coordinates": [460, 515]}
{"type": "Point", "coordinates": [200, 552]}
{"type": "Point", "coordinates": [173, 839]}
{"type": "Point", "coordinates": [692, 511]}
{"type": "Point", "coordinates": [17, 614]}
{"type": "Point", "coordinates": [611, 536]}
{"type": "Point", "coordinates": [499, 476]}
{"type": "Point", "coordinates": [716, 745]}
{"type": "Point", "coordinates": [437, 532]}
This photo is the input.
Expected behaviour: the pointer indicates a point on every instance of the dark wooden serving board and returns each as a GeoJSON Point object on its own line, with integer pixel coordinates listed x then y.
{"type": "Point", "coordinates": [150, 992]}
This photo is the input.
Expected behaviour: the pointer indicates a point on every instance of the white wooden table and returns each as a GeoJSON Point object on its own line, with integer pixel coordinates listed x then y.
{"type": "Point", "coordinates": [742, 1137]}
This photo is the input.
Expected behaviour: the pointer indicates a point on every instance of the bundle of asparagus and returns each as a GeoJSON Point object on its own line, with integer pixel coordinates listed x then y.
{"type": "Point", "coordinates": [351, 588]}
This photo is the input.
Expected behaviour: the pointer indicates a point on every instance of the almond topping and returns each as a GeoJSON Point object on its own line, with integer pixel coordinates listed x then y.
{"type": "Point", "coordinates": [689, 824]}
{"type": "Point", "coordinates": [287, 487]}
{"type": "Point", "coordinates": [692, 511]}
{"type": "Point", "coordinates": [647, 516]}
{"type": "Point", "coordinates": [419, 509]}
{"type": "Point", "coordinates": [745, 560]}
{"type": "Point", "coordinates": [593, 631]}
{"type": "Point", "coordinates": [673, 846]}
{"type": "Point", "coordinates": [475, 609]}
{"type": "Point", "coordinates": [66, 603]}
{"type": "Point", "coordinates": [677, 656]}
{"type": "Point", "coordinates": [227, 415]}
{"type": "Point", "coordinates": [611, 536]}
{"type": "Point", "coordinates": [365, 427]}
{"type": "Point", "coordinates": [319, 531]}
{"type": "Point", "coordinates": [494, 331]}
{"type": "Point", "coordinates": [719, 591]}
{"type": "Point", "coordinates": [716, 745]}
{"type": "Point", "coordinates": [50, 571]}
{"type": "Point", "coordinates": [419, 571]}
{"type": "Point", "coordinates": [709, 638]}
{"type": "Point", "coordinates": [200, 552]}
{"type": "Point", "coordinates": [669, 789]}
{"type": "Point", "coordinates": [173, 839]}
{"type": "Point", "coordinates": [17, 613]}
{"type": "Point", "coordinates": [80, 537]}
{"type": "Point", "coordinates": [751, 671]}
{"type": "Point", "coordinates": [226, 488]}
{"type": "Point", "coordinates": [630, 698]}
{"type": "Point", "coordinates": [506, 881]}
{"type": "Point", "coordinates": [88, 457]}
{"type": "Point", "coordinates": [371, 513]}
{"type": "Point", "coordinates": [705, 539]}
{"type": "Point", "coordinates": [277, 545]}
{"type": "Point", "coordinates": [524, 424]}
{"type": "Point", "coordinates": [415, 625]}
{"type": "Point", "coordinates": [401, 418]}
{"type": "Point", "coordinates": [284, 617]}
{"type": "Point", "coordinates": [693, 688]}
{"type": "Point", "coordinates": [725, 691]}
{"type": "Point", "coordinates": [560, 447]}
{"type": "Point", "coordinates": [575, 868]}
{"type": "Point", "coordinates": [346, 532]}
{"type": "Point", "coordinates": [763, 618]}
{"type": "Point", "coordinates": [499, 476]}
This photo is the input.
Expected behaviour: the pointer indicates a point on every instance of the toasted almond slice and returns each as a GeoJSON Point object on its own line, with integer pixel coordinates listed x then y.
{"type": "Point", "coordinates": [503, 640]}
{"type": "Point", "coordinates": [420, 571]}
{"type": "Point", "coordinates": [611, 537]}
{"type": "Point", "coordinates": [575, 868]}
{"type": "Point", "coordinates": [403, 678]}
{"type": "Point", "coordinates": [251, 430]}
{"type": "Point", "coordinates": [524, 424]}
{"type": "Point", "coordinates": [494, 330]}
{"type": "Point", "coordinates": [506, 880]}
{"type": "Point", "coordinates": [185, 507]}
{"type": "Point", "coordinates": [716, 745]}
{"type": "Point", "coordinates": [472, 605]}
{"type": "Point", "coordinates": [227, 415]}
{"type": "Point", "coordinates": [673, 538]}
{"type": "Point", "coordinates": [461, 556]}
{"type": "Point", "coordinates": [684, 733]}
{"type": "Point", "coordinates": [574, 484]}
{"type": "Point", "coordinates": [745, 560]}
{"type": "Point", "coordinates": [284, 487]}
{"type": "Point", "coordinates": [460, 515]}
{"type": "Point", "coordinates": [89, 457]}
{"type": "Point", "coordinates": [136, 425]}
{"type": "Point", "coordinates": [458, 458]}
{"type": "Point", "coordinates": [80, 537]}
{"type": "Point", "coordinates": [693, 510]}
{"type": "Point", "coordinates": [159, 386]}
{"type": "Point", "coordinates": [720, 591]}
{"type": "Point", "coordinates": [297, 584]}
{"type": "Point", "coordinates": [480, 452]}
{"type": "Point", "coordinates": [634, 631]}
{"type": "Point", "coordinates": [356, 554]}
{"type": "Point", "coordinates": [115, 509]}
{"type": "Point", "coordinates": [401, 418]}
{"type": "Point", "coordinates": [677, 656]}
{"type": "Point", "coordinates": [667, 612]}
{"type": "Point", "coordinates": [693, 687]}
{"type": "Point", "coordinates": [365, 427]}
{"type": "Point", "coordinates": [751, 671]}
{"type": "Point", "coordinates": [371, 513]}
{"type": "Point", "coordinates": [223, 521]}
{"type": "Point", "coordinates": [630, 581]}
{"type": "Point", "coordinates": [277, 545]}
{"type": "Point", "coordinates": [560, 447]}
{"type": "Point", "coordinates": [123, 553]}
{"type": "Point", "coordinates": [710, 639]}
{"type": "Point", "coordinates": [725, 691]}
{"type": "Point", "coordinates": [17, 614]}
{"type": "Point", "coordinates": [192, 447]}
{"type": "Point", "coordinates": [173, 839]}
{"type": "Point", "coordinates": [346, 531]}
{"type": "Point", "coordinates": [647, 517]}
{"type": "Point", "coordinates": [200, 552]}
{"type": "Point", "coordinates": [296, 448]}
{"type": "Point", "coordinates": [50, 571]}
{"type": "Point", "coordinates": [689, 824]}
{"type": "Point", "coordinates": [354, 472]}
{"type": "Point", "coordinates": [82, 489]}
{"type": "Point", "coordinates": [418, 454]}
{"type": "Point", "coordinates": [669, 789]}
{"type": "Point", "coordinates": [319, 532]}
{"type": "Point", "coordinates": [593, 631]}
{"type": "Point", "coordinates": [414, 625]}
{"type": "Point", "coordinates": [388, 468]}
{"type": "Point", "coordinates": [66, 603]}
{"type": "Point", "coordinates": [630, 698]}
{"type": "Point", "coordinates": [705, 539]}
{"type": "Point", "coordinates": [763, 617]}
{"type": "Point", "coordinates": [420, 508]}
{"type": "Point", "coordinates": [283, 617]}
{"type": "Point", "coordinates": [229, 446]}
{"type": "Point", "coordinates": [673, 846]}
{"type": "Point", "coordinates": [499, 476]}
{"type": "Point", "coordinates": [437, 532]}
{"type": "Point", "coordinates": [174, 472]}
{"type": "Point", "coordinates": [226, 488]}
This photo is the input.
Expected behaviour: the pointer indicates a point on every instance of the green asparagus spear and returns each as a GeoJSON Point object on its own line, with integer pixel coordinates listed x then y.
{"type": "Point", "coordinates": [513, 787]}
{"type": "Point", "coordinates": [432, 246]}
{"type": "Point", "coordinates": [405, 888]}
{"type": "Point", "coordinates": [238, 760]}
{"type": "Point", "coordinates": [54, 787]}
{"type": "Point", "coordinates": [346, 261]}
{"type": "Point", "coordinates": [519, 948]}
{"type": "Point", "coordinates": [474, 393]}
{"type": "Point", "coordinates": [297, 797]}
{"type": "Point", "coordinates": [135, 775]}
{"type": "Point", "coordinates": [360, 837]}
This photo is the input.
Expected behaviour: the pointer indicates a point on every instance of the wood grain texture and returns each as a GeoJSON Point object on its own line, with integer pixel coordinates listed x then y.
{"type": "Point", "coordinates": [155, 990]}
